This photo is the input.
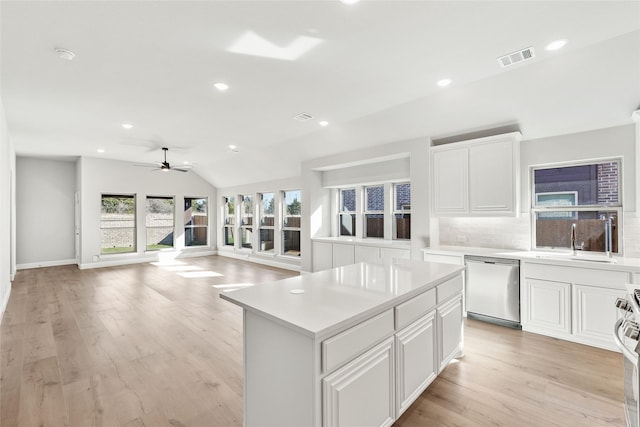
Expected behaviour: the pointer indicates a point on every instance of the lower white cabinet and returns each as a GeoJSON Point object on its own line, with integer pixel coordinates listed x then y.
{"type": "Point", "coordinates": [576, 304]}
{"type": "Point", "coordinates": [449, 320]}
{"type": "Point", "coordinates": [322, 256]}
{"type": "Point", "coordinates": [388, 253]}
{"type": "Point", "coordinates": [548, 305]}
{"type": "Point", "coordinates": [327, 253]}
{"type": "Point", "coordinates": [416, 360]}
{"type": "Point", "coordinates": [371, 375]}
{"type": "Point", "coordinates": [342, 255]}
{"type": "Point", "coordinates": [366, 253]}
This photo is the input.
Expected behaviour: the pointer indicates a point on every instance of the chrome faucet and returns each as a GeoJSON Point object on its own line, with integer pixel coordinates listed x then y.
{"type": "Point", "coordinates": [608, 235]}
{"type": "Point", "coordinates": [573, 239]}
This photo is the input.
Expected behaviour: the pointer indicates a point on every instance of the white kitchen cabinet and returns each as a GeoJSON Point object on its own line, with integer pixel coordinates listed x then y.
{"type": "Point", "coordinates": [548, 305]}
{"type": "Point", "coordinates": [343, 254]}
{"type": "Point", "coordinates": [479, 177]}
{"type": "Point", "coordinates": [388, 253]}
{"type": "Point", "coordinates": [449, 328]}
{"type": "Point", "coordinates": [371, 375]}
{"type": "Point", "coordinates": [416, 360]}
{"type": "Point", "coordinates": [594, 312]}
{"type": "Point", "coordinates": [450, 181]}
{"type": "Point", "coordinates": [366, 253]}
{"type": "Point", "coordinates": [444, 258]}
{"type": "Point", "coordinates": [572, 303]}
{"type": "Point", "coordinates": [322, 256]}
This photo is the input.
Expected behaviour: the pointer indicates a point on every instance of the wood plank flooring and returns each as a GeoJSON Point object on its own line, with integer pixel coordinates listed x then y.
{"type": "Point", "coordinates": [154, 345]}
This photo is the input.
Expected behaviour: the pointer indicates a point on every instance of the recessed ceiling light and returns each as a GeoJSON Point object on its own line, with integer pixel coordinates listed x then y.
{"type": "Point", "coordinates": [349, 1]}
{"type": "Point", "coordinates": [127, 125]}
{"type": "Point", "coordinates": [324, 123]}
{"type": "Point", "coordinates": [100, 150]}
{"type": "Point", "coordinates": [221, 86]}
{"type": "Point", "coordinates": [444, 82]}
{"type": "Point", "coordinates": [555, 45]}
{"type": "Point", "coordinates": [64, 54]}
{"type": "Point", "coordinates": [233, 148]}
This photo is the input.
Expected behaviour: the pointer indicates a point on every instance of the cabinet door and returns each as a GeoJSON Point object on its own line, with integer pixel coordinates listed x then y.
{"type": "Point", "coordinates": [388, 253]}
{"type": "Point", "coordinates": [322, 256]}
{"type": "Point", "coordinates": [342, 255]}
{"type": "Point", "coordinates": [492, 178]}
{"type": "Point", "coordinates": [416, 360]}
{"type": "Point", "coordinates": [548, 305]}
{"type": "Point", "coordinates": [450, 181]}
{"type": "Point", "coordinates": [367, 253]}
{"type": "Point", "coordinates": [362, 392]}
{"type": "Point", "coordinates": [594, 312]}
{"type": "Point", "coordinates": [449, 331]}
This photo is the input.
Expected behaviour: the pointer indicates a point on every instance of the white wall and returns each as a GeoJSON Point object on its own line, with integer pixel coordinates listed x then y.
{"type": "Point", "coordinates": [412, 156]}
{"type": "Point", "coordinates": [45, 190]}
{"type": "Point", "coordinates": [276, 187]}
{"type": "Point", "coordinates": [98, 176]}
{"type": "Point", "coordinates": [7, 228]}
{"type": "Point", "coordinates": [7, 212]}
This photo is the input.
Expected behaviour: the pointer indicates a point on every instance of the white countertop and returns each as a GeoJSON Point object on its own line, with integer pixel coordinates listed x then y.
{"type": "Point", "coordinates": [399, 244]}
{"type": "Point", "coordinates": [334, 299]}
{"type": "Point", "coordinates": [581, 259]}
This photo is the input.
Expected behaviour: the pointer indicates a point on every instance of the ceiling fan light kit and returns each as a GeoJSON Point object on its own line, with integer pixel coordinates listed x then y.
{"type": "Point", "coordinates": [165, 166]}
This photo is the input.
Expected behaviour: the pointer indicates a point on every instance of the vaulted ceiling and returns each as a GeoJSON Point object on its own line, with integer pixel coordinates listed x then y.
{"type": "Point", "coordinates": [369, 69]}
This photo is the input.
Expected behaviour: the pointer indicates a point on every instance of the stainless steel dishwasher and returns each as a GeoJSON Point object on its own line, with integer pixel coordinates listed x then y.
{"type": "Point", "coordinates": [493, 289]}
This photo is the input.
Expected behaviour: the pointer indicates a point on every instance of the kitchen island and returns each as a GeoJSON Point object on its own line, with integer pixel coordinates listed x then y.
{"type": "Point", "coordinates": [354, 345]}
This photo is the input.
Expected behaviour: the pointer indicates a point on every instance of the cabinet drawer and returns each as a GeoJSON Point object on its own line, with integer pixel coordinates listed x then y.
{"type": "Point", "coordinates": [348, 344]}
{"type": "Point", "coordinates": [411, 310]}
{"type": "Point", "coordinates": [449, 288]}
{"type": "Point", "coordinates": [445, 259]}
{"type": "Point", "coordinates": [584, 275]}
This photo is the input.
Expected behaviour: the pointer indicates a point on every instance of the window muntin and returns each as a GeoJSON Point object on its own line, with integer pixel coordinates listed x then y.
{"type": "Point", "coordinates": [117, 223]}
{"type": "Point", "coordinates": [267, 222]}
{"type": "Point", "coordinates": [402, 211]}
{"type": "Point", "coordinates": [196, 221]}
{"type": "Point", "coordinates": [291, 223]}
{"type": "Point", "coordinates": [374, 211]}
{"type": "Point", "coordinates": [229, 218]}
{"type": "Point", "coordinates": [583, 194]}
{"type": "Point", "coordinates": [159, 221]}
{"type": "Point", "coordinates": [246, 221]}
{"type": "Point", "coordinates": [347, 212]}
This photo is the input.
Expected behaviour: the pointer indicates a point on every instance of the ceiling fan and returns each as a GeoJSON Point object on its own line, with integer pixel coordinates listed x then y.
{"type": "Point", "coordinates": [166, 166]}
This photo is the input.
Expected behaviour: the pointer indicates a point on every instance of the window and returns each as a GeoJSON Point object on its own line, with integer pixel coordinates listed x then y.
{"type": "Point", "coordinates": [374, 211]}
{"type": "Point", "coordinates": [196, 221]}
{"type": "Point", "coordinates": [160, 222]}
{"type": "Point", "coordinates": [402, 211]}
{"type": "Point", "coordinates": [117, 224]}
{"type": "Point", "coordinates": [347, 212]}
{"type": "Point", "coordinates": [229, 216]}
{"type": "Point", "coordinates": [246, 221]}
{"type": "Point", "coordinates": [583, 194]}
{"type": "Point", "coordinates": [291, 224]}
{"type": "Point", "coordinates": [267, 222]}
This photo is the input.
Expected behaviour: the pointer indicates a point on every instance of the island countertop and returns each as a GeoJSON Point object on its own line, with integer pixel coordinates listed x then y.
{"type": "Point", "coordinates": [321, 303]}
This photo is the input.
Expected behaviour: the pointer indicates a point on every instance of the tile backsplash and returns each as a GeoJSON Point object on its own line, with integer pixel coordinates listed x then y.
{"type": "Point", "coordinates": [514, 233]}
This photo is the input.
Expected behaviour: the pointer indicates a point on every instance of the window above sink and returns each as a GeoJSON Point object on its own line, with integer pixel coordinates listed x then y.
{"type": "Point", "coordinates": [585, 194]}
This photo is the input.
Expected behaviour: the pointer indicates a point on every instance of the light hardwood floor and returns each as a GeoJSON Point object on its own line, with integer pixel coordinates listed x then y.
{"type": "Point", "coordinates": [154, 345]}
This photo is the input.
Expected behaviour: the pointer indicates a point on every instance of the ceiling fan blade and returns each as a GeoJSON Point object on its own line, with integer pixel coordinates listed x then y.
{"type": "Point", "coordinates": [179, 169]}
{"type": "Point", "coordinates": [146, 165]}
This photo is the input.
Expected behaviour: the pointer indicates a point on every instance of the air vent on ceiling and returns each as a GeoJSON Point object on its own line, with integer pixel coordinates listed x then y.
{"type": "Point", "coordinates": [303, 117]}
{"type": "Point", "coordinates": [516, 57]}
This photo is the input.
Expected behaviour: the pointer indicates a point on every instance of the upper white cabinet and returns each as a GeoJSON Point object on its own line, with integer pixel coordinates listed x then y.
{"type": "Point", "coordinates": [479, 177]}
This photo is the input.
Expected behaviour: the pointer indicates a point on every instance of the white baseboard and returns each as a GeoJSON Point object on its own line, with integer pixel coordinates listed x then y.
{"type": "Point", "coordinates": [5, 301]}
{"type": "Point", "coordinates": [106, 262]}
{"type": "Point", "coordinates": [57, 263]}
{"type": "Point", "coordinates": [271, 262]}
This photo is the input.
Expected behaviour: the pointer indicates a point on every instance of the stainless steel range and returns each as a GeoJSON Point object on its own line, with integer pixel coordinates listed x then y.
{"type": "Point", "coordinates": [626, 334]}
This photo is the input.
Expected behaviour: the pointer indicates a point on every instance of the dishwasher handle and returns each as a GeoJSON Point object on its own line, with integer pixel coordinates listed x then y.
{"type": "Point", "coordinates": [491, 260]}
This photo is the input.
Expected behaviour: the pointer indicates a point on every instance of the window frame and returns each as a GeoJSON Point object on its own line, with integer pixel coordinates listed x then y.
{"type": "Point", "coordinates": [366, 212]}
{"type": "Point", "coordinates": [173, 223]}
{"type": "Point", "coordinates": [353, 214]}
{"type": "Point", "coordinates": [246, 227]}
{"type": "Point", "coordinates": [134, 247]}
{"type": "Point", "coordinates": [395, 211]}
{"type": "Point", "coordinates": [194, 227]}
{"type": "Point", "coordinates": [283, 223]}
{"type": "Point", "coordinates": [226, 225]}
{"type": "Point", "coordinates": [262, 227]}
{"type": "Point", "coordinates": [574, 210]}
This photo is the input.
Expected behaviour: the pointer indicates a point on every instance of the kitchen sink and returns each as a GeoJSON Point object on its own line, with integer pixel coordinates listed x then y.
{"type": "Point", "coordinates": [567, 256]}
